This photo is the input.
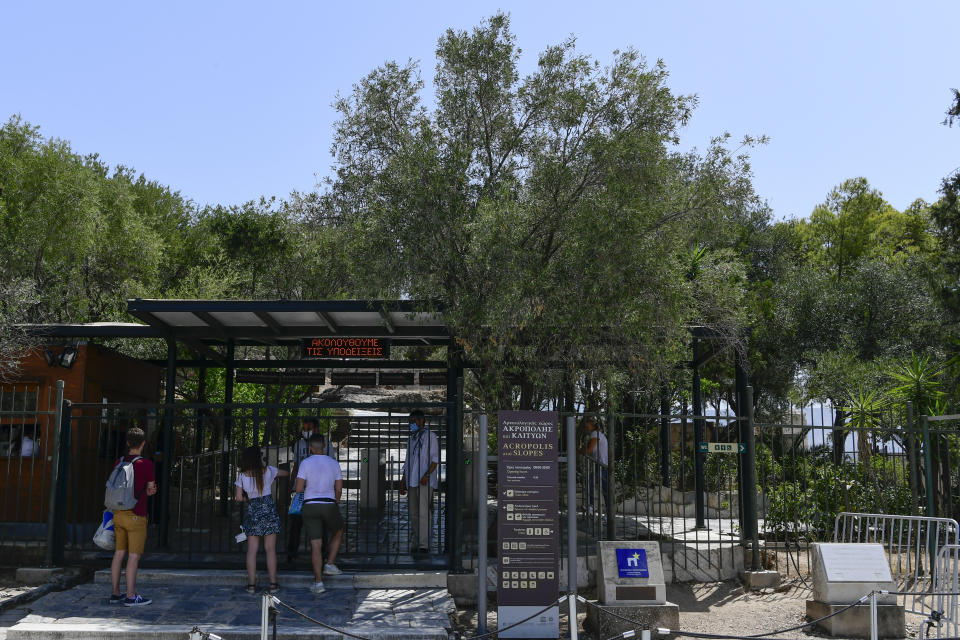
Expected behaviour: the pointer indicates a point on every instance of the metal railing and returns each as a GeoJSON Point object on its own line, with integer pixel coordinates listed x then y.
{"type": "Point", "coordinates": [946, 588]}
{"type": "Point", "coordinates": [912, 545]}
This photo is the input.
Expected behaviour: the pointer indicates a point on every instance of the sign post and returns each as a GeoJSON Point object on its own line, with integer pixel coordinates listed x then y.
{"type": "Point", "coordinates": [528, 523]}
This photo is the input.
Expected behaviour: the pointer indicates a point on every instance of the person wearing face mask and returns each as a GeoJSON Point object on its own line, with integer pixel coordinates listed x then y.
{"type": "Point", "coordinates": [301, 451]}
{"type": "Point", "coordinates": [420, 479]}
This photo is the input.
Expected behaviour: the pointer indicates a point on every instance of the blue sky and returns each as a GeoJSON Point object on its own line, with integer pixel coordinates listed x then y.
{"type": "Point", "coordinates": [227, 101]}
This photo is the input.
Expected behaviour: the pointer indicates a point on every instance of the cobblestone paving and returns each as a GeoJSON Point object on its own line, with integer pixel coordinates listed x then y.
{"type": "Point", "coordinates": [213, 607]}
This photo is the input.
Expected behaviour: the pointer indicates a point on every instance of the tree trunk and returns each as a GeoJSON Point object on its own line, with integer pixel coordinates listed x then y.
{"type": "Point", "coordinates": [839, 436]}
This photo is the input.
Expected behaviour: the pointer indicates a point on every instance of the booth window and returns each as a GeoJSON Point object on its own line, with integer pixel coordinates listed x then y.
{"type": "Point", "coordinates": [14, 423]}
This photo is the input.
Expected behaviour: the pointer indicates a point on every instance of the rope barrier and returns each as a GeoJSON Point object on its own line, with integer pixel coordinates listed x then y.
{"type": "Point", "coordinates": [197, 634]}
{"type": "Point", "coordinates": [766, 635]}
{"type": "Point", "coordinates": [293, 610]}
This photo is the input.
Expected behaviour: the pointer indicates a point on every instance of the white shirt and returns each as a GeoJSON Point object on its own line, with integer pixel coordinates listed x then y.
{"type": "Point", "coordinates": [301, 451]}
{"type": "Point", "coordinates": [319, 472]}
{"type": "Point", "coordinates": [599, 452]}
{"type": "Point", "coordinates": [422, 450]}
{"type": "Point", "coordinates": [28, 447]}
{"type": "Point", "coordinates": [249, 483]}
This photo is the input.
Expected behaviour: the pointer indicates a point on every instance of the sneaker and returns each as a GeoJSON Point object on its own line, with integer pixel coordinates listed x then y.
{"type": "Point", "coordinates": [317, 588]}
{"type": "Point", "coordinates": [117, 599]}
{"type": "Point", "coordinates": [136, 601]}
{"type": "Point", "coordinates": [331, 570]}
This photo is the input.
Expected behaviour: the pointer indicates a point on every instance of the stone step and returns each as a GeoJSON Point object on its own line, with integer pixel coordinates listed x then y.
{"type": "Point", "coordinates": [238, 577]}
{"type": "Point", "coordinates": [108, 631]}
{"type": "Point", "coordinates": [85, 613]}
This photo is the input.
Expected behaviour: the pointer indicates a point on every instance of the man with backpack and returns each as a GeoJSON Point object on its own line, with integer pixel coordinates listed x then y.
{"type": "Point", "coordinates": [128, 486]}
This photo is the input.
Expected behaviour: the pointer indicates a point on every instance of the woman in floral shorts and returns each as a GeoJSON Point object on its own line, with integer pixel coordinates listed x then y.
{"type": "Point", "coordinates": [261, 521]}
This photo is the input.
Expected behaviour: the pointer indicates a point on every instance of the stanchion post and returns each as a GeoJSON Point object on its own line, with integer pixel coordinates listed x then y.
{"type": "Point", "coordinates": [873, 616]}
{"type": "Point", "coordinates": [482, 526]}
{"type": "Point", "coordinates": [265, 602]}
{"type": "Point", "coordinates": [572, 525]}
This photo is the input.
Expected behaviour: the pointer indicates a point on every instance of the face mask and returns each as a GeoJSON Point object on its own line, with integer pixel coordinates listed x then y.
{"type": "Point", "coordinates": [307, 434]}
{"type": "Point", "coordinates": [413, 426]}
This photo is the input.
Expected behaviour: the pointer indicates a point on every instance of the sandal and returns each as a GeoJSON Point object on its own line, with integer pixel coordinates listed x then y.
{"type": "Point", "coordinates": [252, 589]}
{"type": "Point", "coordinates": [274, 587]}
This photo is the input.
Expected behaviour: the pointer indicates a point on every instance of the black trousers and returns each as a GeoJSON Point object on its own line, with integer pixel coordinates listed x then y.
{"type": "Point", "coordinates": [294, 527]}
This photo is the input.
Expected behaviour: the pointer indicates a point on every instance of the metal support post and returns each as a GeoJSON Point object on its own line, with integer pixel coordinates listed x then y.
{"type": "Point", "coordinates": [914, 467]}
{"type": "Point", "coordinates": [699, 485]}
{"type": "Point", "coordinates": [740, 382]}
{"type": "Point", "coordinates": [482, 526]}
{"type": "Point", "coordinates": [57, 510]}
{"type": "Point", "coordinates": [873, 616]}
{"type": "Point", "coordinates": [665, 436]}
{"type": "Point", "coordinates": [611, 477]}
{"type": "Point", "coordinates": [227, 437]}
{"type": "Point", "coordinates": [928, 463]}
{"type": "Point", "coordinates": [750, 474]}
{"type": "Point", "coordinates": [166, 465]}
{"type": "Point", "coordinates": [198, 436]}
{"type": "Point", "coordinates": [572, 525]}
{"type": "Point", "coordinates": [454, 471]}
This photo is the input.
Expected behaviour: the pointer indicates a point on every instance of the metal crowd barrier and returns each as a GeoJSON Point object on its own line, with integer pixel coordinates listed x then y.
{"type": "Point", "coordinates": [912, 544]}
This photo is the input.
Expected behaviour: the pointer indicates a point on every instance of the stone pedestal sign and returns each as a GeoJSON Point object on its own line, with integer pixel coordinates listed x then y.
{"type": "Point", "coordinates": [528, 523]}
{"type": "Point", "coordinates": [842, 574]}
{"type": "Point", "coordinates": [630, 584]}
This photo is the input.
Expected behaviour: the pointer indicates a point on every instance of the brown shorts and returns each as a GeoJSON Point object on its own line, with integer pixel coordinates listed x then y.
{"type": "Point", "coordinates": [321, 519]}
{"type": "Point", "coordinates": [130, 531]}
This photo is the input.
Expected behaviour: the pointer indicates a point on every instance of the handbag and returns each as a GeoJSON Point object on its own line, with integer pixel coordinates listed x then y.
{"type": "Point", "coordinates": [105, 538]}
{"type": "Point", "coordinates": [296, 505]}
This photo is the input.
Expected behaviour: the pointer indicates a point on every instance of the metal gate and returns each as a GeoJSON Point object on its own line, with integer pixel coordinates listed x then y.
{"type": "Point", "coordinates": [196, 447]}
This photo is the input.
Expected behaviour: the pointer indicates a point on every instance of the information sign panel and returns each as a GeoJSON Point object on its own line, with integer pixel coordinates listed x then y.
{"type": "Point", "coordinates": [528, 522]}
{"type": "Point", "coordinates": [722, 447]}
{"type": "Point", "coordinates": [632, 563]}
{"type": "Point", "coordinates": [331, 347]}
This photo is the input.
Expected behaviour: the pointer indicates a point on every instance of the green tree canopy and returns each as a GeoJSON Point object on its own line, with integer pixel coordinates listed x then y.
{"type": "Point", "coordinates": [551, 213]}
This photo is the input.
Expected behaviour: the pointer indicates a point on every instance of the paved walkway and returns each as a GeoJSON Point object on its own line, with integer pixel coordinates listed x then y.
{"type": "Point", "coordinates": [228, 611]}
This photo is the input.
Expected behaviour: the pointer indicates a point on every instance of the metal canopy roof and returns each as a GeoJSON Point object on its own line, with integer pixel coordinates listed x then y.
{"type": "Point", "coordinates": [287, 321]}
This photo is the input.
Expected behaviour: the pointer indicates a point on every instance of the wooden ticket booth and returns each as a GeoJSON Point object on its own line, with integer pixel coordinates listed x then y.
{"type": "Point", "coordinates": [91, 374]}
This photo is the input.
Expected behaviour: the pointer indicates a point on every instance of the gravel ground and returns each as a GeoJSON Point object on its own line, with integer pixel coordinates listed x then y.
{"type": "Point", "coordinates": [716, 607]}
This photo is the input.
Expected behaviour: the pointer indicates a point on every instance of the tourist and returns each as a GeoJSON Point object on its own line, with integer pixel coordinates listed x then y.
{"type": "Point", "coordinates": [301, 451]}
{"type": "Point", "coordinates": [597, 451]}
{"type": "Point", "coordinates": [420, 479]}
{"type": "Point", "coordinates": [28, 444]}
{"type": "Point", "coordinates": [321, 482]}
{"type": "Point", "coordinates": [130, 525]}
{"type": "Point", "coordinates": [261, 521]}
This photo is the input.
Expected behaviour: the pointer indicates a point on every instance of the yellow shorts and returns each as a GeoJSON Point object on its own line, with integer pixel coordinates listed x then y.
{"type": "Point", "coordinates": [130, 531]}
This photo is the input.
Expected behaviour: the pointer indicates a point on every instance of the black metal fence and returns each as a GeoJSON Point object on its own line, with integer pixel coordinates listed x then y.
{"type": "Point", "coordinates": [196, 447]}
{"type": "Point", "coordinates": [641, 493]}
{"type": "Point", "coordinates": [818, 461]}
{"type": "Point", "coordinates": [659, 483]}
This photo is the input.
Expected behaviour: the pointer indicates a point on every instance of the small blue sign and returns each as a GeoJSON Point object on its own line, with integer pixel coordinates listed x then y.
{"type": "Point", "coordinates": [632, 563]}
